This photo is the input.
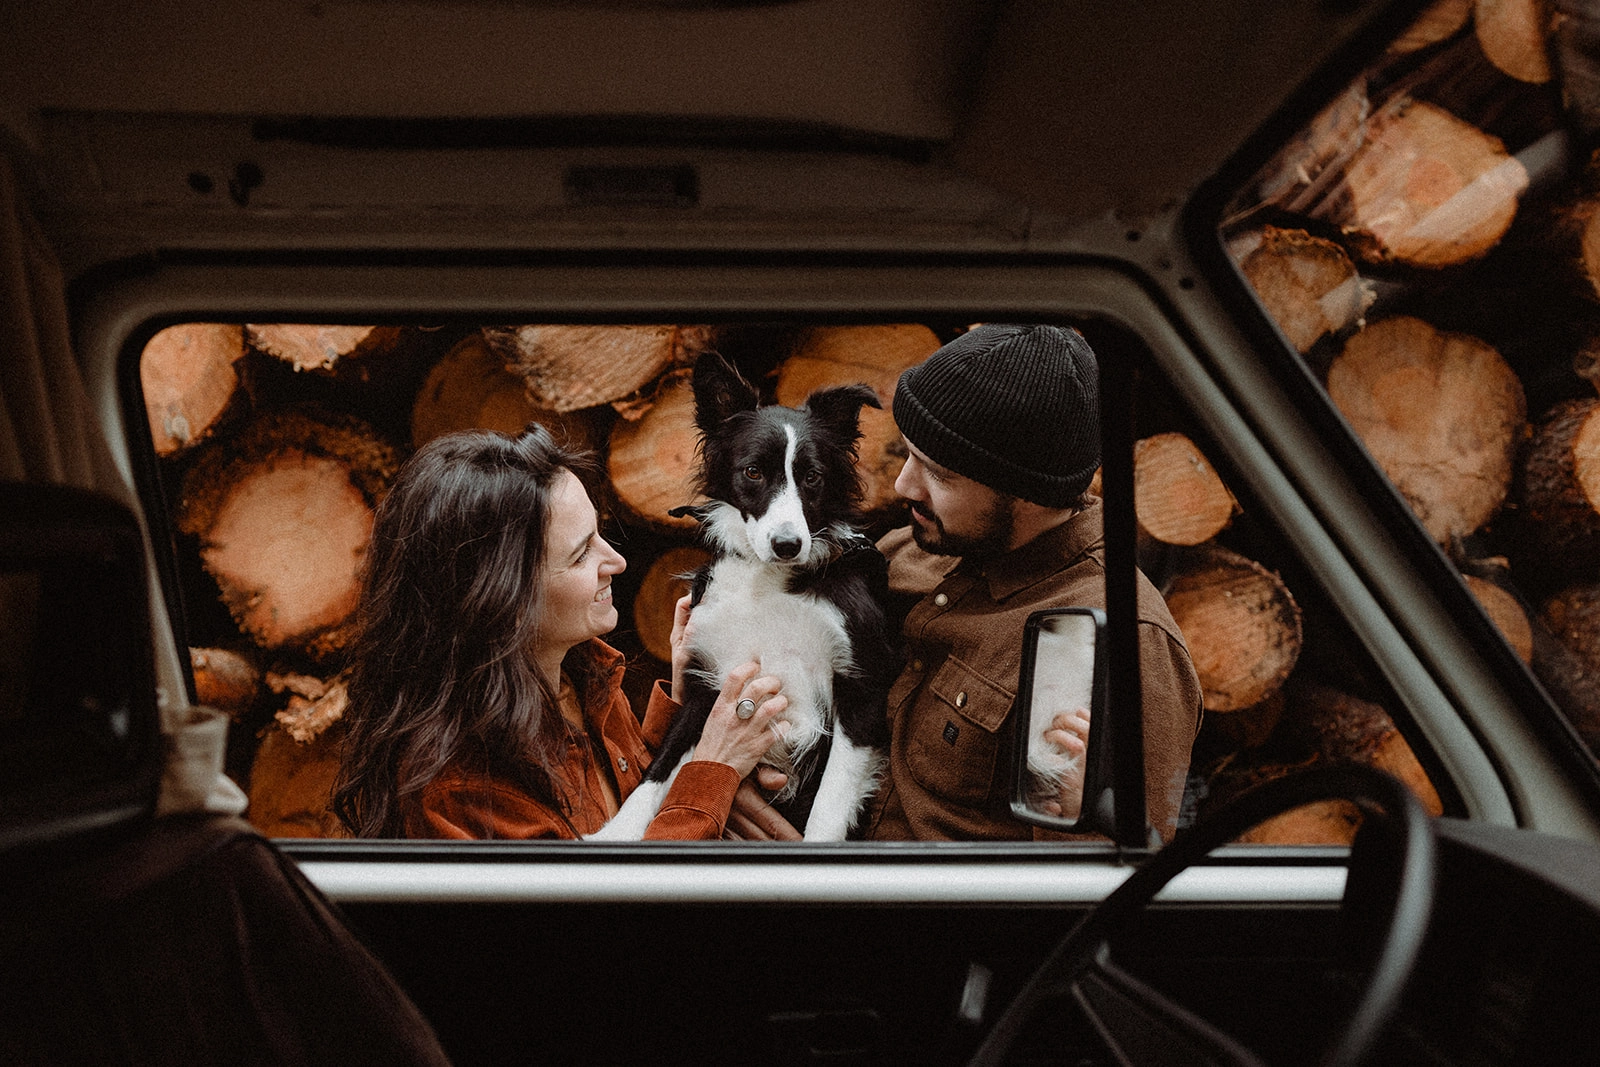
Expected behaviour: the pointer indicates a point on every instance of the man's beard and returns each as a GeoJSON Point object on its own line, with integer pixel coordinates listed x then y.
{"type": "Point", "coordinates": [992, 538]}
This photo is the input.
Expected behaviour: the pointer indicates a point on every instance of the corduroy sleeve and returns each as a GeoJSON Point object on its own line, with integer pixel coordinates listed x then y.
{"type": "Point", "coordinates": [696, 807]}
{"type": "Point", "coordinates": [658, 715]}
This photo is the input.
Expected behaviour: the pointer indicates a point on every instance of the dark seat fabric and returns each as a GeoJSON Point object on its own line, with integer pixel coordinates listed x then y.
{"type": "Point", "coordinates": [194, 942]}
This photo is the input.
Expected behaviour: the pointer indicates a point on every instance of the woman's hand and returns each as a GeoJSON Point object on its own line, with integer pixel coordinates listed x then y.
{"type": "Point", "coordinates": [740, 743]}
{"type": "Point", "coordinates": [679, 639]}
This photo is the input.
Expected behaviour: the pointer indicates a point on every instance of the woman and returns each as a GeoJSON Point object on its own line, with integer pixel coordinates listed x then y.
{"type": "Point", "coordinates": [482, 701]}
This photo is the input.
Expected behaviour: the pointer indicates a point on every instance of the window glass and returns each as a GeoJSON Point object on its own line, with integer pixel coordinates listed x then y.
{"type": "Point", "coordinates": [1428, 243]}
{"type": "Point", "coordinates": [1285, 681]}
{"type": "Point", "coordinates": [274, 442]}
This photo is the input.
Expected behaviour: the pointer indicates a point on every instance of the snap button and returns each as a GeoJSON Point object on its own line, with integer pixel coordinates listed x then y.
{"type": "Point", "coordinates": [916, 664]}
{"type": "Point", "coordinates": [940, 599]}
{"type": "Point", "coordinates": [622, 764]}
{"type": "Point", "coordinates": [961, 700]}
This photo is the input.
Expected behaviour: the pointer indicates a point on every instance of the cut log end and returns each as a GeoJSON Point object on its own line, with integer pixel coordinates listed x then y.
{"type": "Point", "coordinates": [1427, 189]}
{"type": "Point", "coordinates": [471, 388]}
{"type": "Point", "coordinates": [189, 379]}
{"type": "Point", "coordinates": [1177, 495]}
{"type": "Point", "coordinates": [1307, 284]}
{"type": "Point", "coordinates": [652, 457]}
{"type": "Point", "coordinates": [1242, 626]}
{"type": "Point", "coordinates": [568, 368]}
{"type": "Point", "coordinates": [1441, 413]}
{"type": "Point", "coordinates": [658, 594]}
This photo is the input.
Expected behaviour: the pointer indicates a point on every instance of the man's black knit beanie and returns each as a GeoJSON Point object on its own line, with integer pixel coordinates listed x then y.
{"type": "Point", "coordinates": [1016, 408]}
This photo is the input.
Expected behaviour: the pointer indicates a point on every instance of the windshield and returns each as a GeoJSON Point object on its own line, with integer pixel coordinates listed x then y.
{"type": "Point", "coordinates": [1428, 244]}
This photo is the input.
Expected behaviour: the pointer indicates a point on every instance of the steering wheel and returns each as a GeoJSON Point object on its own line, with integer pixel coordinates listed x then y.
{"type": "Point", "coordinates": [1134, 1017]}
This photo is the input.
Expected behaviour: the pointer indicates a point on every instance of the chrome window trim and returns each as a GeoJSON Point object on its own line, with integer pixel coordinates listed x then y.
{"type": "Point", "coordinates": [1043, 882]}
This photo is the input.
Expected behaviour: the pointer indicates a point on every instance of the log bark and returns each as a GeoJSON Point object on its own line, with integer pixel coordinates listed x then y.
{"type": "Point", "coordinates": [314, 704]}
{"type": "Point", "coordinates": [1566, 656]}
{"type": "Point", "coordinates": [291, 784]}
{"type": "Point", "coordinates": [1336, 727]}
{"type": "Point", "coordinates": [225, 680]}
{"type": "Point", "coordinates": [1309, 167]}
{"type": "Point", "coordinates": [311, 347]}
{"type": "Point", "coordinates": [1438, 22]}
{"type": "Point", "coordinates": [567, 368]}
{"type": "Point", "coordinates": [1241, 624]}
{"type": "Point", "coordinates": [1441, 413]}
{"type": "Point", "coordinates": [283, 515]}
{"type": "Point", "coordinates": [651, 459]}
{"type": "Point", "coordinates": [874, 355]}
{"type": "Point", "coordinates": [1514, 35]}
{"type": "Point", "coordinates": [1505, 611]}
{"type": "Point", "coordinates": [1249, 727]}
{"type": "Point", "coordinates": [1426, 189]}
{"type": "Point", "coordinates": [1351, 730]}
{"type": "Point", "coordinates": [189, 378]}
{"type": "Point", "coordinates": [1561, 482]}
{"type": "Point", "coordinates": [658, 594]}
{"type": "Point", "coordinates": [1308, 285]}
{"type": "Point", "coordinates": [1177, 495]}
{"type": "Point", "coordinates": [1575, 55]}
{"type": "Point", "coordinates": [471, 388]}
{"type": "Point", "coordinates": [1322, 822]}
{"type": "Point", "coordinates": [1571, 240]}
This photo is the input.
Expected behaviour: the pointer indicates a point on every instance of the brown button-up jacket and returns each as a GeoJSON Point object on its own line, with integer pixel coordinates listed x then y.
{"type": "Point", "coordinates": [460, 804]}
{"type": "Point", "coordinates": [949, 759]}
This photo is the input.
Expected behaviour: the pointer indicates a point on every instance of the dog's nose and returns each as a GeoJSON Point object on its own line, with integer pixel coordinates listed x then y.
{"type": "Point", "coordinates": [786, 547]}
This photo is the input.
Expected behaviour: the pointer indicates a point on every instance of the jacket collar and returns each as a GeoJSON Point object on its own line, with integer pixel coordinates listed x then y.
{"type": "Point", "coordinates": [1049, 553]}
{"type": "Point", "coordinates": [601, 668]}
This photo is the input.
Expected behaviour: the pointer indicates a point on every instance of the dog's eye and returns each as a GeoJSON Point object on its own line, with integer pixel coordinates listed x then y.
{"type": "Point", "coordinates": [753, 473]}
{"type": "Point", "coordinates": [813, 478]}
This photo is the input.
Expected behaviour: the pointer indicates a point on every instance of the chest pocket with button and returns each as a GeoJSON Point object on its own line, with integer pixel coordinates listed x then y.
{"type": "Point", "coordinates": [953, 745]}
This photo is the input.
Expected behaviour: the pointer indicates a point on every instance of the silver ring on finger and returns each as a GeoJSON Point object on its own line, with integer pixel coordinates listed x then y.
{"type": "Point", "coordinates": [745, 708]}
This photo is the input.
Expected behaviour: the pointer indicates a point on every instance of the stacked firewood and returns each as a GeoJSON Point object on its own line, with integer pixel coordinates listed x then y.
{"type": "Point", "coordinates": [1430, 244]}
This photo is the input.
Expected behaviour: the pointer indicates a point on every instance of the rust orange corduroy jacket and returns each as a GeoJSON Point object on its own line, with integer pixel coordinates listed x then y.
{"type": "Point", "coordinates": [460, 804]}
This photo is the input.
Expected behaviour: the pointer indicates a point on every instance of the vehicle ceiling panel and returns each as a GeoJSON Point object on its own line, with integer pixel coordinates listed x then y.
{"type": "Point", "coordinates": [1076, 108]}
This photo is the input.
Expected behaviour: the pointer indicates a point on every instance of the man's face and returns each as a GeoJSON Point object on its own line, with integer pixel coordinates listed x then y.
{"type": "Point", "coordinates": [952, 515]}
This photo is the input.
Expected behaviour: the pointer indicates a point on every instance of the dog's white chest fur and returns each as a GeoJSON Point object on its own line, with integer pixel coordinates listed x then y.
{"type": "Point", "coordinates": [746, 614]}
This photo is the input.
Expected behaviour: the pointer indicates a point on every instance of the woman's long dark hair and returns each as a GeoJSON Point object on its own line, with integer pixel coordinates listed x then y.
{"type": "Point", "coordinates": [442, 669]}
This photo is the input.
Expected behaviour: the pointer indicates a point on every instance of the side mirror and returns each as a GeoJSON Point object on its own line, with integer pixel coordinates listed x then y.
{"type": "Point", "coordinates": [1063, 670]}
{"type": "Point", "coordinates": [80, 746]}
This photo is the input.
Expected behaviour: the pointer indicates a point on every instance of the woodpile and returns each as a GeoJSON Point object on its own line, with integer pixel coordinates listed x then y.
{"type": "Point", "coordinates": [1268, 711]}
{"type": "Point", "coordinates": [1455, 184]}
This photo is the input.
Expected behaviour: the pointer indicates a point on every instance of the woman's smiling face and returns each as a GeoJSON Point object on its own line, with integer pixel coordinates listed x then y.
{"type": "Point", "coordinates": [579, 566]}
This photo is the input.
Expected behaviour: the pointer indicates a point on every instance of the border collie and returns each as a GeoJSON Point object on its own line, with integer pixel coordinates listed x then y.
{"type": "Point", "coordinates": [792, 583]}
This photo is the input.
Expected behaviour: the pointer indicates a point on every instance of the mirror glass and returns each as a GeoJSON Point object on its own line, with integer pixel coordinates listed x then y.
{"type": "Point", "coordinates": [1060, 756]}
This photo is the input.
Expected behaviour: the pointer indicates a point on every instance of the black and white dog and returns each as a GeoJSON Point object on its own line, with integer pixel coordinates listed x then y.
{"type": "Point", "coordinates": [792, 584]}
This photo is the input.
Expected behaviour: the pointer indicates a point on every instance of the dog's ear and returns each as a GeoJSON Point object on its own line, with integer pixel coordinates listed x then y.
{"type": "Point", "coordinates": [719, 392]}
{"type": "Point", "coordinates": [839, 407]}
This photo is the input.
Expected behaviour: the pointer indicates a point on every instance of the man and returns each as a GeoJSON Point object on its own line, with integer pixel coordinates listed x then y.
{"type": "Point", "coordinates": [1002, 429]}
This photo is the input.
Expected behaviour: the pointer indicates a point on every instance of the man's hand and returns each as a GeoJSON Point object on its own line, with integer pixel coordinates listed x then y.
{"type": "Point", "coordinates": [752, 818]}
{"type": "Point", "coordinates": [1068, 732]}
